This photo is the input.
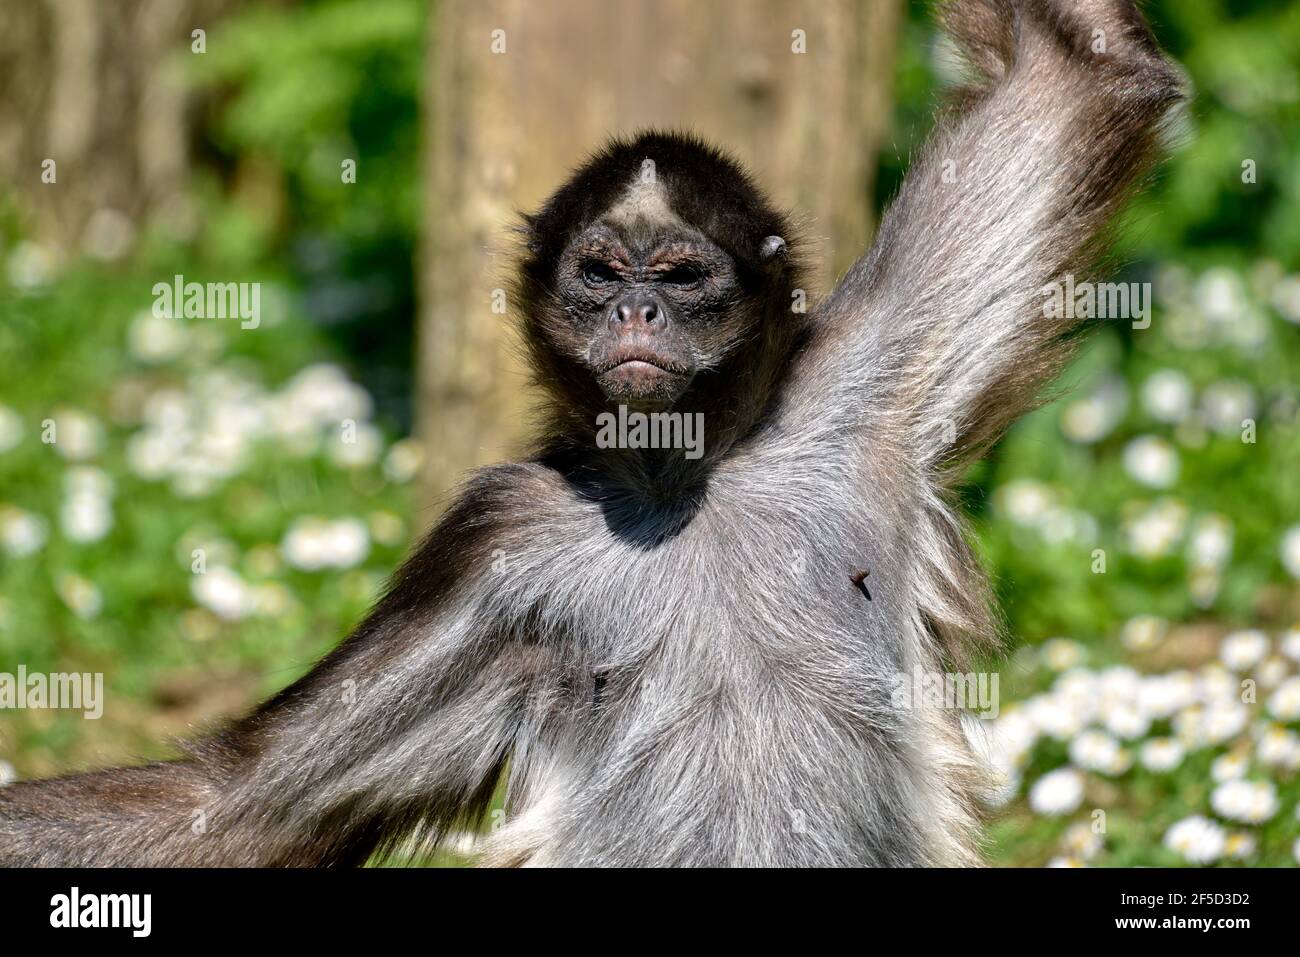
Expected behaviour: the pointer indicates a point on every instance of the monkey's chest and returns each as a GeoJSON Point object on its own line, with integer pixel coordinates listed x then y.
{"type": "Point", "coordinates": [715, 708]}
{"type": "Point", "coordinates": [720, 689]}
{"type": "Point", "coordinates": [710, 764]}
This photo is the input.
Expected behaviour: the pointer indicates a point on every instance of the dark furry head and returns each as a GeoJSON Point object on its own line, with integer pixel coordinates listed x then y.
{"type": "Point", "coordinates": [659, 276]}
{"type": "Point", "coordinates": [705, 186]}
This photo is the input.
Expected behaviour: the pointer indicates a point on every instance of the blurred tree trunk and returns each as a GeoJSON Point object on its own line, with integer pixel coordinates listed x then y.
{"type": "Point", "coordinates": [800, 91]}
{"type": "Point", "coordinates": [90, 86]}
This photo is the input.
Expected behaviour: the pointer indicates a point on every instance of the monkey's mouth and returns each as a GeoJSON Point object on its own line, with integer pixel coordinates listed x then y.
{"type": "Point", "coordinates": [641, 360]}
{"type": "Point", "coordinates": [641, 373]}
{"type": "Point", "coordinates": [638, 367]}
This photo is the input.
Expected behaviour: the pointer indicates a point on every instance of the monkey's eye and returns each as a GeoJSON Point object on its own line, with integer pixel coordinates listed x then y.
{"type": "Point", "coordinates": [684, 275]}
{"type": "Point", "coordinates": [598, 274]}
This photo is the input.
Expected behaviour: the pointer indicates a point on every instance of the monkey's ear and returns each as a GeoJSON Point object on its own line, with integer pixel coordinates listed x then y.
{"type": "Point", "coordinates": [772, 248]}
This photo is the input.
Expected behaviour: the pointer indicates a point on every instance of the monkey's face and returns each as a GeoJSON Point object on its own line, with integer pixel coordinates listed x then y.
{"type": "Point", "coordinates": [648, 308]}
{"type": "Point", "coordinates": [658, 276]}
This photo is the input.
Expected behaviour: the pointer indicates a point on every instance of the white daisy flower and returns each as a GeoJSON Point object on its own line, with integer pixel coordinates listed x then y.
{"type": "Point", "coordinates": [1240, 845]}
{"type": "Point", "coordinates": [11, 428]}
{"type": "Point", "coordinates": [1162, 754]}
{"type": "Point", "coordinates": [1221, 294]}
{"type": "Point", "coordinates": [1210, 542]}
{"type": "Point", "coordinates": [403, 461]}
{"type": "Point", "coordinates": [1215, 684]}
{"type": "Point", "coordinates": [1167, 396]}
{"type": "Point", "coordinates": [294, 427]}
{"type": "Point", "coordinates": [86, 518]}
{"type": "Point", "coordinates": [1057, 792]}
{"type": "Point", "coordinates": [1250, 802]}
{"type": "Point", "coordinates": [1081, 841]}
{"type": "Point", "coordinates": [87, 480]}
{"type": "Point", "coordinates": [1291, 552]}
{"type": "Point", "coordinates": [152, 339]}
{"type": "Point", "coordinates": [1215, 723]}
{"type": "Point", "coordinates": [1242, 650]}
{"type": "Point", "coordinates": [1162, 696]}
{"type": "Point", "coordinates": [1143, 632]}
{"type": "Point", "coordinates": [328, 395]}
{"type": "Point", "coordinates": [1197, 839]}
{"type": "Point", "coordinates": [31, 265]}
{"type": "Point", "coordinates": [362, 446]}
{"type": "Point", "coordinates": [1151, 460]}
{"type": "Point", "coordinates": [387, 528]}
{"type": "Point", "coordinates": [1284, 703]}
{"type": "Point", "coordinates": [1065, 862]}
{"type": "Point", "coordinates": [1226, 405]}
{"type": "Point", "coordinates": [1095, 416]}
{"type": "Point", "coordinates": [1203, 585]}
{"type": "Point", "coordinates": [1061, 654]}
{"type": "Point", "coordinates": [312, 543]}
{"type": "Point", "coordinates": [1060, 526]}
{"type": "Point", "coordinates": [1056, 716]}
{"type": "Point", "coordinates": [77, 436]}
{"type": "Point", "coordinates": [87, 514]}
{"type": "Point", "coordinates": [1290, 643]}
{"type": "Point", "coordinates": [1229, 767]}
{"type": "Point", "coordinates": [1126, 721]}
{"type": "Point", "coordinates": [1024, 501]}
{"type": "Point", "coordinates": [1098, 751]}
{"type": "Point", "coordinates": [1286, 298]}
{"type": "Point", "coordinates": [1153, 531]}
{"type": "Point", "coordinates": [1119, 683]}
{"type": "Point", "coordinates": [224, 593]}
{"type": "Point", "coordinates": [1223, 721]}
{"type": "Point", "coordinates": [108, 234]}
{"type": "Point", "coordinates": [80, 595]}
{"type": "Point", "coordinates": [1278, 747]}
{"type": "Point", "coordinates": [1272, 671]}
{"type": "Point", "coordinates": [1079, 685]}
{"type": "Point", "coordinates": [153, 455]}
{"type": "Point", "coordinates": [22, 533]}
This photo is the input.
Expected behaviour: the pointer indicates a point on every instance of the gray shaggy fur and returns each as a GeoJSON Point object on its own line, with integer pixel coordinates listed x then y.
{"type": "Point", "coordinates": [669, 659]}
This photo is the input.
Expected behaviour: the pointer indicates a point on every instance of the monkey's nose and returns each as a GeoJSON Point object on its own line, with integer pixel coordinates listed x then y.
{"type": "Point", "coordinates": [638, 312]}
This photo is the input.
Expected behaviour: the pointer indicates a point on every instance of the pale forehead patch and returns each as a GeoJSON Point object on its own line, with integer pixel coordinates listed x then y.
{"type": "Point", "coordinates": [644, 201]}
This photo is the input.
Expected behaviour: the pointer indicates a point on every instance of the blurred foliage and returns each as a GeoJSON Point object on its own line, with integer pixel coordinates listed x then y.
{"type": "Point", "coordinates": [295, 91]}
{"type": "Point", "coordinates": [1243, 57]}
{"type": "Point", "coordinates": [252, 445]}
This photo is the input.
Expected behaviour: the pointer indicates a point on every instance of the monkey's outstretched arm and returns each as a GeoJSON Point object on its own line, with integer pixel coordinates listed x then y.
{"type": "Point", "coordinates": [401, 730]}
{"type": "Point", "coordinates": [938, 335]}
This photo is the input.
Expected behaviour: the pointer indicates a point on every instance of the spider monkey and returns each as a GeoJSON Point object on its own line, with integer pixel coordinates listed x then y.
{"type": "Point", "coordinates": [673, 660]}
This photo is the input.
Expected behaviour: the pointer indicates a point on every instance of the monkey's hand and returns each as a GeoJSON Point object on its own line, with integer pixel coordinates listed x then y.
{"type": "Point", "coordinates": [943, 333]}
{"type": "Point", "coordinates": [399, 732]}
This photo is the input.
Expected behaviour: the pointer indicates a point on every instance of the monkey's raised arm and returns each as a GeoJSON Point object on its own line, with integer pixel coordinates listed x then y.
{"type": "Point", "coordinates": [401, 730]}
{"type": "Point", "coordinates": [939, 334]}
